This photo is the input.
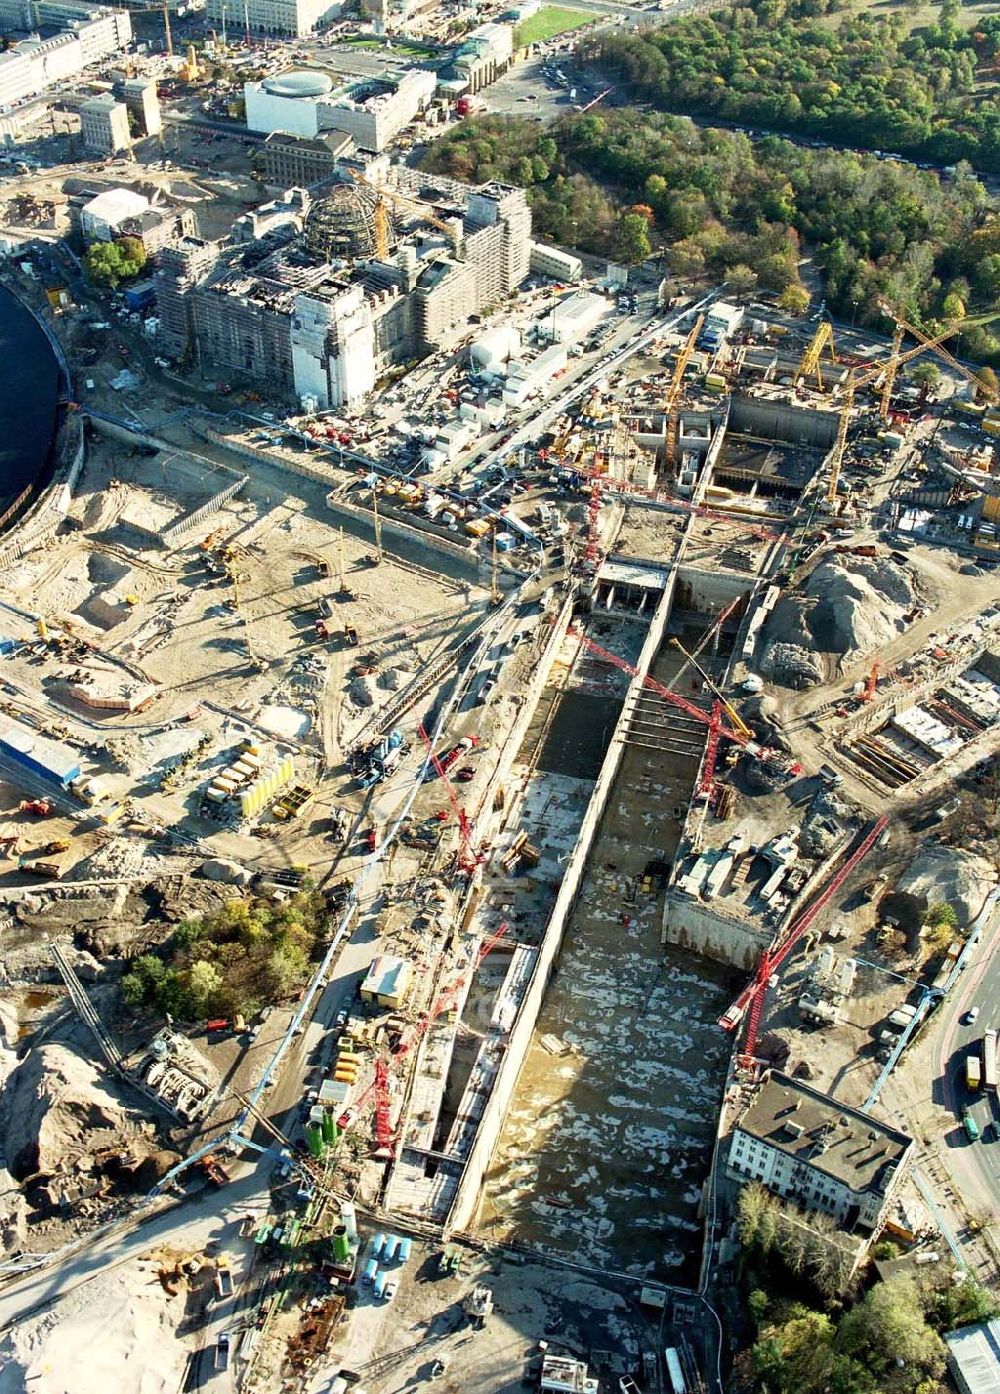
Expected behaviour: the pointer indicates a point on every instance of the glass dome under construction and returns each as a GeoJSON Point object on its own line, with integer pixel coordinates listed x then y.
{"type": "Point", "coordinates": [342, 225]}
{"type": "Point", "coordinates": [299, 82]}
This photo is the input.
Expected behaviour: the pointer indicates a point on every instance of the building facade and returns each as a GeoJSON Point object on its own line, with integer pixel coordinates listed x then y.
{"type": "Point", "coordinates": [292, 161]}
{"type": "Point", "coordinates": [372, 111]}
{"type": "Point", "coordinates": [104, 126]}
{"type": "Point", "coordinates": [291, 18]}
{"type": "Point", "coordinates": [823, 1155]}
{"type": "Point", "coordinates": [292, 323]}
{"type": "Point", "coordinates": [89, 33]}
{"type": "Point", "coordinates": [143, 105]}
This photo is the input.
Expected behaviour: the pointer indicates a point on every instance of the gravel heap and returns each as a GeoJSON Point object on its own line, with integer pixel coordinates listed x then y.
{"type": "Point", "coordinates": [849, 606]}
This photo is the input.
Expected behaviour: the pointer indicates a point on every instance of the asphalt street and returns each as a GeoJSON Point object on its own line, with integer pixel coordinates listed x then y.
{"type": "Point", "coordinates": [975, 1165]}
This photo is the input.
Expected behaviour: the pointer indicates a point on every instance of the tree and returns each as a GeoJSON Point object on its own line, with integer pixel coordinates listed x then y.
{"type": "Point", "coordinates": [953, 307]}
{"type": "Point", "coordinates": [794, 300]}
{"type": "Point", "coordinates": [964, 1304]}
{"type": "Point", "coordinates": [631, 239]}
{"type": "Point", "coordinates": [110, 263]}
{"type": "Point", "coordinates": [926, 374]}
{"type": "Point", "coordinates": [204, 985]}
{"type": "Point", "coordinates": [888, 1332]}
{"type": "Point", "coordinates": [989, 381]}
{"type": "Point", "coordinates": [939, 914]}
{"type": "Point", "coordinates": [741, 280]}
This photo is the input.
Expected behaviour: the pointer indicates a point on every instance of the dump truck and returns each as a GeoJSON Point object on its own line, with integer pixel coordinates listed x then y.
{"type": "Point", "coordinates": [41, 807]}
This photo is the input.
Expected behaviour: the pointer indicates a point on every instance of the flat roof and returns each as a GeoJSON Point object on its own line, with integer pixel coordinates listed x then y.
{"type": "Point", "coordinates": [974, 1352]}
{"type": "Point", "coordinates": [831, 1137]}
{"type": "Point", "coordinates": [631, 574]}
{"type": "Point", "coordinates": [388, 976]}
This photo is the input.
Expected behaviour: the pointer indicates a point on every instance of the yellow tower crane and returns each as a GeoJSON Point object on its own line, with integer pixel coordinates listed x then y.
{"type": "Point", "coordinates": [890, 367]}
{"type": "Point", "coordinates": [809, 363]}
{"type": "Point", "coordinates": [383, 197]}
{"type": "Point", "coordinates": [671, 403]}
{"type": "Point", "coordinates": [735, 719]}
{"type": "Point", "coordinates": [933, 345]}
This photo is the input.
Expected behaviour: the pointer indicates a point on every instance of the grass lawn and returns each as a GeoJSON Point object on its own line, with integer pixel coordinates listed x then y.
{"type": "Point", "coordinates": [549, 21]}
{"type": "Point", "coordinates": [400, 46]}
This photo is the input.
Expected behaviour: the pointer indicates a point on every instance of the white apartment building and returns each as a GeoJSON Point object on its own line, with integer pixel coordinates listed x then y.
{"type": "Point", "coordinates": [292, 18]}
{"type": "Point", "coordinates": [92, 33]}
{"type": "Point", "coordinates": [819, 1153]}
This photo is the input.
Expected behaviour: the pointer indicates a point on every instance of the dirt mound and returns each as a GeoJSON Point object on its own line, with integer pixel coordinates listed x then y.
{"type": "Point", "coordinates": [858, 607]}
{"type": "Point", "coordinates": [849, 606]}
{"type": "Point", "coordinates": [939, 873]}
{"type": "Point", "coordinates": [51, 1103]}
{"type": "Point", "coordinates": [116, 1333]}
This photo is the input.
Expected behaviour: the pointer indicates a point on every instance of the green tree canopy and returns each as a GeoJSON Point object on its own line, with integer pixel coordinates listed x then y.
{"type": "Point", "coordinates": [110, 263]}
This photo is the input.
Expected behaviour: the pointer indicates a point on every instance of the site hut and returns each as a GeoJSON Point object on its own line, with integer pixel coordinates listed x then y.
{"type": "Point", "coordinates": [573, 318]}
{"type": "Point", "coordinates": [103, 217]}
{"type": "Point", "coordinates": [974, 1357]}
{"type": "Point", "coordinates": [555, 263]}
{"type": "Point", "coordinates": [52, 761]}
{"type": "Point", "coordinates": [387, 982]}
{"type": "Point", "coordinates": [819, 1153]}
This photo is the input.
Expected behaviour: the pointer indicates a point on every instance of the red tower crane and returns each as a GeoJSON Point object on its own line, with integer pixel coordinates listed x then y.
{"type": "Point", "coordinates": [379, 1087]}
{"type": "Point", "coordinates": [751, 1000]}
{"type": "Point", "coordinates": [711, 720]}
{"type": "Point", "coordinates": [468, 860]}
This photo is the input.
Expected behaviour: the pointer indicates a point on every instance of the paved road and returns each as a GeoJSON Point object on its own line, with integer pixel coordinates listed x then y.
{"type": "Point", "coordinates": [216, 1211]}
{"type": "Point", "coordinates": [975, 1165]}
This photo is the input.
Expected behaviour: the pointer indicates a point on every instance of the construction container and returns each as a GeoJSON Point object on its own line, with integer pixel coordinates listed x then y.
{"type": "Point", "coordinates": [405, 1246]}
{"type": "Point", "coordinates": [378, 1245]}
{"type": "Point", "coordinates": [380, 1281]}
{"type": "Point", "coordinates": [329, 1126]}
{"type": "Point", "coordinates": [215, 795]}
{"type": "Point", "coordinates": [715, 382]}
{"type": "Point", "coordinates": [314, 1139]}
{"type": "Point", "coordinates": [391, 1248]}
{"type": "Point", "coordinates": [341, 1245]}
{"type": "Point", "coordinates": [371, 1269]}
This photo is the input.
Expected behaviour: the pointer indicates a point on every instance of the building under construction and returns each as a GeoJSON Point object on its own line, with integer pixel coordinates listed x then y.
{"type": "Point", "coordinates": [376, 278]}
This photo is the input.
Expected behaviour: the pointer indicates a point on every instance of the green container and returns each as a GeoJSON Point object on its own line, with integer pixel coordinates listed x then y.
{"type": "Point", "coordinates": [314, 1139]}
{"type": "Point", "coordinates": [329, 1126]}
{"type": "Point", "coordinates": [341, 1245]}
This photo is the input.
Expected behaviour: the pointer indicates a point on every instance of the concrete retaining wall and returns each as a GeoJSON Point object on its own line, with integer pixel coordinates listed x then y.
{"type": "Point", "coordinates": [758, 416]}
{"type": "Point", "coordinates": [467, 1197]}
{"type": "Point", "coordinates": [48, 511]}
{"type": "Point", "coordinates": [706, 929]}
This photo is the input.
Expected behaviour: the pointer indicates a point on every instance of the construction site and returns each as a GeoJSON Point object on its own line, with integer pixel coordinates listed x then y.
{"type": "Point", "coordinates": [625, 743]}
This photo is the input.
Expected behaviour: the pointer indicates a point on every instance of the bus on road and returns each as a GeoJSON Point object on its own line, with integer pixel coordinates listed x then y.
{"type": "Point", "coordinates": [990, 1061]}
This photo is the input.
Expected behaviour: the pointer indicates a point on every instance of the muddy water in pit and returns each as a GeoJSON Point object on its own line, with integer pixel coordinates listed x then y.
{"type": "Point", "coordinates": [605, 1148]}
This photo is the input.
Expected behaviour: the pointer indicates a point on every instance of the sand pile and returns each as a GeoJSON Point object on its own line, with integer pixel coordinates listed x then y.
{"type": "Point", "coordinates": [958, 878]}
{"type": "Point", "coordinates": [849, 606]}
{"type": "Point", "coordinates": [395, 678]}
{"type": "Point", "coordinates": [51, 1104]}
{"type": "Point", "coordinates": [120, 1325]}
